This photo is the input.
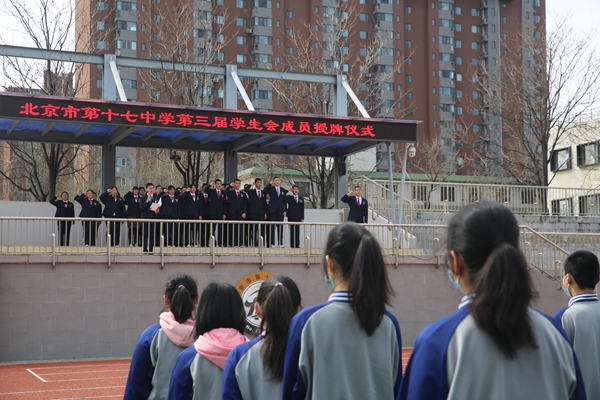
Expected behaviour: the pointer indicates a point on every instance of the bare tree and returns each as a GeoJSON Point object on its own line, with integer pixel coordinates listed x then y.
{"type": "Point", "coordinates": [37, 168]}
{"type": "Point", "coordinates": [545, 85]}
{"type": "Point", "coordinates": [331, 47]}
{"type": "Point", "coordinates": [195, 38]}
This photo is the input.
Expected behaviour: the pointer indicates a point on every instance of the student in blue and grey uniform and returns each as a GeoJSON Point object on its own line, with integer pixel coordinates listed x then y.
{"type": "Point", "coordinates": [495, 346]}
{"type": "Point", "coordinates": [350, 347]}
{"type": "Point", "coordinates": [159, 346]}
{"type": "Point", "coordinates": [198, 371]}
{"type": "Point", "coordinates": [581, 320]}
{"type": "Point", "coordinates": [254, 370]}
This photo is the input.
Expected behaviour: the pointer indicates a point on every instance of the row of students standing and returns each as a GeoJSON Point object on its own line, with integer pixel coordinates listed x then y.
{"type": "Point", "coordinates": [495, 346]}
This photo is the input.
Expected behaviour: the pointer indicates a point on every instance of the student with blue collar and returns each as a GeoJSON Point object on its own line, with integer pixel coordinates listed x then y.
{"type": "Point", "coordinates": [495, 346]}
{"type": "Point", "coordinates": [254, 370]}
{"type": "Point", "coordinates": [581, 320]}
{"type": "Point", "coordinates": [350, 347]}
{"type": "Point", "coordinates": [220, 323]}
{"type": "Point", "coordinates": [159, 346]}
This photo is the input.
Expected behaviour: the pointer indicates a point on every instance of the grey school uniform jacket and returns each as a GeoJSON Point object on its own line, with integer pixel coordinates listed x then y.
{"type": "Point", "coordinates": [581, 321]}
{"type": "Point", "coordinates": [245, 376]}
{"type": "Point", "coordinates": [454, 359]}
{"type": "Point", "coordinates": [329, 356]}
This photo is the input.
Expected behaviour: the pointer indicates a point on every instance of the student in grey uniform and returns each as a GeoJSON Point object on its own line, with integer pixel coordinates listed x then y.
{"type": "Point", "coordinates": [159, 346]}
{"type": "Point", "coordinates": [581, 320]}
{"type": "Point", "coordinates": [495, 347]}
{"type": "Point", "coordinates": [254, 370]}
{"type": "Point", "coordinates": [198, 371]}
{"type": "Point", "coordinates": [350, 347]}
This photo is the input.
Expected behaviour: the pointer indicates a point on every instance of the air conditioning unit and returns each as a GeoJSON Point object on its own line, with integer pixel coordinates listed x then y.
{"type": "Point", "coordinates": [249, 31]}
{"type": "Point", "coordinates": [325, 15]}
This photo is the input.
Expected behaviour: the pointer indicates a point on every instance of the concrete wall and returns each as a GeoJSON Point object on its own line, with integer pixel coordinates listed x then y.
{"type": "Point", "coordinates": [540, 223]}
{"type": "Point", "coordinates": [81, 309]}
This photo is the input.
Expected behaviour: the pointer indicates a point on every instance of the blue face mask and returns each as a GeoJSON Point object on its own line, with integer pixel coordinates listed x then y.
{"type": "Point", "coordinates": [330, 282]}
{"type": "Point", "coordinates": [565, 290]}
{"type": "Point", "coordinates": [454, 283]}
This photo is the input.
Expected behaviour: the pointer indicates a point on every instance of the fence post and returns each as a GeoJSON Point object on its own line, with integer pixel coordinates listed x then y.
{"type": "Point", "coordinates": [395, 246]}
{"type": "Point", "coordinates": [108, 250]}
{"type": "Point", "coordinates": [53, 251]}
{"type": "Point", "coordinates": [308, 250]}
{"type": "Point", "coordinates": [212, 251]}
{"type": "Point", "coordinates": [162, 250]}
{"type": "Point", "coordinates": [261, 250]}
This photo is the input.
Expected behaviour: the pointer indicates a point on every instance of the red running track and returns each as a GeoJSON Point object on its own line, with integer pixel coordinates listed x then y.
{"type": "Point", "coordinates": [80, 380]}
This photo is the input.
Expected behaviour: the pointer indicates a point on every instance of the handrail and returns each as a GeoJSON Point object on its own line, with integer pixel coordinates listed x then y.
{"type": "Point", "coordinates": [382, 187]}
{"type": "Point", "coordinates": [545, 239]}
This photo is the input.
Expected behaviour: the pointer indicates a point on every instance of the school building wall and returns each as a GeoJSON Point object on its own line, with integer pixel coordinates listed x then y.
{"type": "Point", "coordinates": [81, 309]}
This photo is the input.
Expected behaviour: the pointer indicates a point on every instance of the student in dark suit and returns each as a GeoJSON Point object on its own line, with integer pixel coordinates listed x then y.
{"type": "Point", "coordinates": [191, 210]}
{"type": "Point", "coordinates": [64, 209]}
{"type": "Point", "coordinates": [276, 209]}
{"type": "Point", "coordinates": [295, 213]}
{"type": "Point", "coordinates": [114, 207]}
{"type": "Point", "coordinates": [217, 209]}
{"type": "Point", "coordinates": [256, 211]}
{"type": "Point", "coordinates": [237, 204]}
{"type": "Point", "coordinates": [133, 200]}
{"type": "Point", "coordinates": [359, 207]}
{"type": "Point", "coordinates": [205, 226]}
{"type": "Point", "coordinates": [149, 228]}
{"type": "Point", "coordinates": [90, 208]}
{"type": "Point", "coordinates": [170, 209]}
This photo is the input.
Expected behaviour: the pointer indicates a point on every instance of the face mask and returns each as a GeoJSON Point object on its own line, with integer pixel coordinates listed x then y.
{"type": "Point", "coordinates": [454, 283]}
{"type": "Point", "coordinates": [330, 282]}
{"type": "Point", "coordinates": [565, 290]}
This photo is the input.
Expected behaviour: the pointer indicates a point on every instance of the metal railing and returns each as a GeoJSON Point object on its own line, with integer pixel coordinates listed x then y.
{"type": "Point", "coordinates": [543, 254]}
{"type": "Point", "coordinates": [451, 197]}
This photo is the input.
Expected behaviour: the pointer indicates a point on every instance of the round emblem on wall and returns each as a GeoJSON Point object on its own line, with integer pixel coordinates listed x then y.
{"type": "Point", "coordinates": [248, 288]}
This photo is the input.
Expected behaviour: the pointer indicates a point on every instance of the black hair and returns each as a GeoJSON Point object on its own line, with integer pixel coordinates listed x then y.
{"type": "Point", "coordinates": [181, 292]}
{"type": "Point", "coordinates": [149, 184]}
{"type": "Point", "coordinates": [236, 180]}
{"type": "Point", "coordinates": [276, 177]}
{"type": "Point", "coordinates": [485, 235]}
{"type": "Point", "coordinates": [583, 267]}
{"type": "Point", "coordinates": [135, 187]}
{"type": "Point", "coordinates": [257, 180]}
{"type": "Point", "coordinates": [90, 190]}
{"type": "Point", "coordinates": [64, 193]}
{"type": "Point", "coordinates": [171, 187]}
{"type": "Point", "coordinates": [220, 307]}
{"type": "Point", "coordinates": [357, 187]}
{"type": "Point", "coordinates": [114, 187]}
{"type": "Point", "coordinates": [193, 186]}
{"type": "Point", "coordinates": [358, 255]}
{"type": "Point", "coordinates": [279, 299]}
{"type": "Point", "coordinates": [295, 186]}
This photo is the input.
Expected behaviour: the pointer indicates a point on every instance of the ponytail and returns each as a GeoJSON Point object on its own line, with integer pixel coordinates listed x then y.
{"type": "Point", "coordinates": [181, 293]}
{"type": "Point", "coordinates": [279, 300]}
{"type": "Point", "coordinates": [485, 235]}
{"type": "Point", "coordinates": [503, 293]}
{"type": "Point", "coordinates": [358, 255]}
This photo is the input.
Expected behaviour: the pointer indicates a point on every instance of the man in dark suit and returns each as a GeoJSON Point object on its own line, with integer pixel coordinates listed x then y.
{"type": "Point", "coordinates": [276, 209]}
{"type": "Point", "coordinates": [359, 207]}
{"type": "Point", "coordinates": [170, 209]}
{"type": "Point", "coordinates": [237, 204]}
{"type": "Point", "coordinates": [149, 228]}
{"type": "Point", "coordinates": [114, 207]}
{"type": "Point", "coordinates": [133, 202]}
{"type": "Point", "coordinates": [204, 226]}
{"type": "Point", "coordinates": [217, 209]}
{"type": "Point", "coordinates": [256, 211]}
{"type": "Point", "coordinates": [191, 210]}
{"type": "Point", "coordinates": [295, 213]}
{"type": "Point", "coordinates": [64, 209]}
{"type": "Point", "coordinates": [90, 208]}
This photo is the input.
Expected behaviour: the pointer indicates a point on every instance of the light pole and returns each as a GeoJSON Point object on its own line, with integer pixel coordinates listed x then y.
{"type": "Point", "coordinates": [392, 217]}
{"type": "Point", "coordinates": [409, 151]}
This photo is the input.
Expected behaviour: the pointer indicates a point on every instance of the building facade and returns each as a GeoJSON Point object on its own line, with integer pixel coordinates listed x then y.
{"type": "Point", "coordinates": [406, 59]}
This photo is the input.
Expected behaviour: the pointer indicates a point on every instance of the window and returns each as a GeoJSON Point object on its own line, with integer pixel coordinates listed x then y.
{"type": "Point", "coordinates": [446, 90]}
{"type": "Point", "coordinates": [262, 94]}
{"type": "Point", "coordinates": [446, 23]}
{"type": "Point", "coordinates": [364, 17]}
{"type": "Point", "coordinates": [408, 10]}
{"type": "Point", "coordinates": [447, 193]}
{"type": "Point", "coordinates": [263, 58]}
{"type": "Point", "coordinates": [475, 62]}
{"type": "Point", "coordinates": [143, 46]}
{"type": "Point", "coordinates": [458, 10]}
{"type": "Point", "coordinates": [241, 40]}
{"type": "Point", "coordinates": [445, 6]}
{"type": "Point", "coordinates": [458, 44]}
{"type": "Point", "coordinates": [475, 29]}
{"type": "Point", "coordinates": [219, 19]}
{"type": "Point", "coordinates": [126, 6]}
{"type": "Point", "coordinates": [587, 154]}
{"type": "Point", "coordinates": [289, 14]}
{"type": "Point", "coordinates": [409, 95]}
{"type": "Point", "coordinates": [458, 27]}
{"type": "Point", "coordinates": [560, 160]}
{"type": "Point", "coordinates": [260, 21]}
{"type": "Point", "coordinates": [475, 46]}
{"type": "Point", "coordinates": [458, 60]}
{"type": "Point", "coordinates": [102, 6]}
{"type": "Point", "coordinates": [260, 39]}
{"type": "Point", "coordinates": [475, 12]}
{"type": "Point", "coordinates": [364, 34]}
{"type": "Point", "coordinates": [99, 83]}
{"type": "Point", "coordinates": [129, 83]}
{"type": "Point", "coordinates": [562, 207]}
{"type": "Point", "coordinates": [408, 27]}
{"type": "Point", "coordinates": [503, 20]}
{"type": "Point", "coordinates": [241, 58]}
{"type": "Point", "coordinates": [409, 78]}
{"type": "Point", "coordinates": [263, 3]}
{"type": "Point", "coordinates": [383, 17]}
{"type": "Point", "coordinates": [156, 17]}
{"type": "Point", "coordinates": [241, 22]}
{"type": "Point", "coordinates": [289, 50]}
{"type": "Point", "coordinates": [536, 18]}
{"type": "Point", "coordinates": [240, 3]}
{"type": "Point", "coordinates": [102, 45]}
{"type": "Point", "coordinates": [409, 44]}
